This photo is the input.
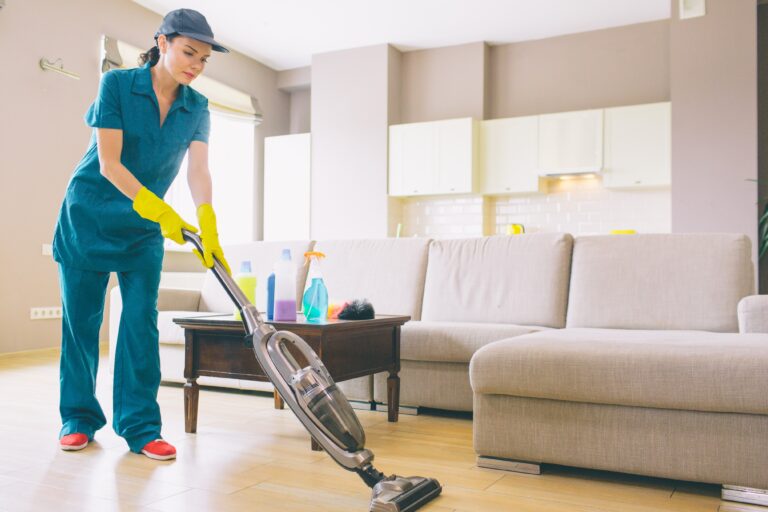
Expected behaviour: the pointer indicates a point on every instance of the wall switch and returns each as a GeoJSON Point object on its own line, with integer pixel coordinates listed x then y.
{"type": "Point", "coordinates": [45, 313]}
{"type": "Point", "coordinates": [47, 250]}
{"type": "Point", "coordinates": [692, 8]}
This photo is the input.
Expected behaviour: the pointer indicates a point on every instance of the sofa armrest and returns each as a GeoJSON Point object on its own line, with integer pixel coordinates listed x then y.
{"type": "Point", "coordinates": [178, 299]}
{"type": "Point", "coordinates": [753, 314]}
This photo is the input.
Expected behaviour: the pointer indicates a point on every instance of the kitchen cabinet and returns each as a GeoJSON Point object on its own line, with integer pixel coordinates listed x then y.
{"type": "Point", "coordinates": [430, 158]}
{"type": "Point", "coordinates": [637, 146]}
{"type": "Point", "coordinates": [287, 164]}
{"type": "Point", "coordinates": [571, 142]}
{"type": "Point", "coordinates": [509, 152]}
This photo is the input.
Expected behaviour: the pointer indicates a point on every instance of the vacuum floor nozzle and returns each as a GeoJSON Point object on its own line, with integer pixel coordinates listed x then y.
{"type": "Point", "coordinates": [403, 494]}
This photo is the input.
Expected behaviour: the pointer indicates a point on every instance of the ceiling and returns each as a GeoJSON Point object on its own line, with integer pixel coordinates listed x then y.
{"type": "Point", "coordinates": [284, 34]}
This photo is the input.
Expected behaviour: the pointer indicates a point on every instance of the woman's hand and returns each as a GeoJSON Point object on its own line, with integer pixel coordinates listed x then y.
{"type": "Point", "coordinates": [151, 207]}
{"type": "Point", "coordinates": [210, 237]}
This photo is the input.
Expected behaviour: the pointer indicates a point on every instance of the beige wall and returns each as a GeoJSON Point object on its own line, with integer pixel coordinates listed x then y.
{"type": "Point", "coordinates": [350, 119]}
{"type": "Point", "coordinates": [300, 111]}
{"type": "Point", "coordinates": [42, 136]}
{"type": "Point", "coordinates": [605, 68]}
{"type": "Point", "coordinates": [617, 66]}
{"type": "Point", "coordinates": [443, 83]}
{"type": "Point", "coordinates": [714, 119]}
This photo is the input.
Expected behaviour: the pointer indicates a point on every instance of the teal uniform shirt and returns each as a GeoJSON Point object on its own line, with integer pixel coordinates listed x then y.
{"type": "Point", "coordinates": [98, 228]}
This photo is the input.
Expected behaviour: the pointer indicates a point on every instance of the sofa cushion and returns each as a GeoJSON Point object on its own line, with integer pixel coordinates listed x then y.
{"type": "Point", "coordinates": [262, 256]}
{"type": "Point", "coordinates": [178, 299]}
{"type": "Point", "coordinates": [511, 280]}
{"type": "Point", "coordinates": [452, 342]}
{"type": "Point", "coordinates": [664, 281]}
{"type": "Point", "coordinates": [688, 370]}
{"type": "Point", "coordinates": [388, 272]}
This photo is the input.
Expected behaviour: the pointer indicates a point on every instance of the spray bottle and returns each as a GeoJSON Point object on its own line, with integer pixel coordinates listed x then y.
{"type": "Point", "coordinates": [246, 280]}
{"type": "Point", "coordinates": [285, 288]}
{"type": "Point", "coordinates": [315, 302]}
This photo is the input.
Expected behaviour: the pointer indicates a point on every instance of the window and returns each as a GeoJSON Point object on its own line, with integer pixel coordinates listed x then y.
{"type": "Point", "coordinates": [230, 158]}
{"type": "Point", "coordinates": [234, 117]}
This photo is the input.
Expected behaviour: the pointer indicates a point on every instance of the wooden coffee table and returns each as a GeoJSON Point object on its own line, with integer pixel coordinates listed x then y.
{"type": "Point", "coordinates": [216, 346]}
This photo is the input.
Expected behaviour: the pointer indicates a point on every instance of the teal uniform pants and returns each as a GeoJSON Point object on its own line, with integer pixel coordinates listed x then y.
{"type": "Point", "coordinates": [136, 414]}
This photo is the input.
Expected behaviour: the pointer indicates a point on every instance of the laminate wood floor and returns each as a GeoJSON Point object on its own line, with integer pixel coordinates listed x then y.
{"type": "Point", "coordinates": [247, 456]}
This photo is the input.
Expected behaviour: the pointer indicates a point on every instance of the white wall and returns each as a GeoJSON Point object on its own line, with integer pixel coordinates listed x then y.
{"type": "Point", "coordinates": [350, 119]}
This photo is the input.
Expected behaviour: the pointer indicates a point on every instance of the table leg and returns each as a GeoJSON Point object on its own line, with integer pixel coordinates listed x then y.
{"type": "Point", "coordinates": [279, 404]}
{"type": "Point", "coordinates": [393, 396]}
{"type": "Point", "coordinates": [191, 394]}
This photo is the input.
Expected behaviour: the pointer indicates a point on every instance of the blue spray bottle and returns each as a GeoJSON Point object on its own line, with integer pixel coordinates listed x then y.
{"type": "Point", "coordinates": [315, 300]}
{"type": "Point", "coordinates": [271, 296]}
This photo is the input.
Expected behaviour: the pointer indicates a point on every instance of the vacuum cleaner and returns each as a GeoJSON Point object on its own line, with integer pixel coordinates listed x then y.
{"type": "Point", "coordinates": [312, 395]}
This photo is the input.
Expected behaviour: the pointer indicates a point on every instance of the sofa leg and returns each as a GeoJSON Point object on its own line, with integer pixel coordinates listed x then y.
{"type": "Point", "coordinates": [745, 494]}
{"type": "Point", "coordinates": [517, 466]}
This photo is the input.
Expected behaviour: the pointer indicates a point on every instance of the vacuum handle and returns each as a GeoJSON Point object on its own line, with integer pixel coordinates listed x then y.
{"type": "Point", "coordinates": [248, 311]}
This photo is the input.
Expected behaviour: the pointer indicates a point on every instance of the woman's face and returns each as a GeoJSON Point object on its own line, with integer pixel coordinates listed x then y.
{"type": "Point", "coordinates": [184, 58]}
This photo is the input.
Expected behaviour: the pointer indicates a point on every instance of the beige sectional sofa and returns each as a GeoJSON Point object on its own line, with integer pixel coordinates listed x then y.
{"type": "Point", "coordinates": [650, 374]}
{"type": "Point", "coordinates": [612, 352]}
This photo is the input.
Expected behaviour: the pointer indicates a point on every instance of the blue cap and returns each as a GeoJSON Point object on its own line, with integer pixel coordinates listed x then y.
{"type": "Point", "coordinates": [245, 266]}
{"type": "Point", "coordinates": [189, 23]}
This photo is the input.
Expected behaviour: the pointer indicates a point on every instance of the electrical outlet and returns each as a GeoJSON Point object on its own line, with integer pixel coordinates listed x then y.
{"type": "Point", "coordinates": [45, 313]}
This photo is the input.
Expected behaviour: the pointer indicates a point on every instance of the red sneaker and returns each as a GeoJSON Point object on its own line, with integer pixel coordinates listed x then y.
{"type": "Point", "coordinates": [73, 442]}
{"type": "Point", "coordinates": [159, 450]}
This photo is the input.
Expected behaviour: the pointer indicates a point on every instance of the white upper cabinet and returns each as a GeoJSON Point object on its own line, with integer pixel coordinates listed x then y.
{"type": "Point", "coordinates": [412, 159]}
{"type": "Point", "coordinates": [432, 158]}
{"type": "Point", "coordinates": [637, 146]}
{"type": "Point", "coordinates": [456, 156]}
{"type": "Point", "coordinates": [571, 142]}
{"type": "Point", "coordinates": [509, 153]}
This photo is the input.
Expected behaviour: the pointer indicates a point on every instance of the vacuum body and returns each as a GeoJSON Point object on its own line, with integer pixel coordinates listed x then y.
{"type": "Point", "coordinates": [308, 389]}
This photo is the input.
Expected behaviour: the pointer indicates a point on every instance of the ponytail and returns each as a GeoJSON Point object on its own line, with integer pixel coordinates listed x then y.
{"type": "Point", "coordinates": [153, 54]}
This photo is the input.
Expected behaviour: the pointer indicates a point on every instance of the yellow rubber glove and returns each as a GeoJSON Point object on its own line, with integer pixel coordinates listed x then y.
{"type": "Point", "coordinates": [210, 238]}
{"type": "Point", "coordinates": [151, 207]}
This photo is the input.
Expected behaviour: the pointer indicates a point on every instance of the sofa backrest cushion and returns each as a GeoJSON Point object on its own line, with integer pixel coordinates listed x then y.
{"type": "Point", "coordinates": [262, 256]}
{"type": "Point", "coordinates": [660, 281]}
{"type": "Point", "coordinates": [389, 272]}
{"type": "Point", "coordinates": [520, 279]}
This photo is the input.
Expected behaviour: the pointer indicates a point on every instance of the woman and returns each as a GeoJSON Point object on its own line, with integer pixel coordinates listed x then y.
{"type": "Point", "coordinates": [112, 219]}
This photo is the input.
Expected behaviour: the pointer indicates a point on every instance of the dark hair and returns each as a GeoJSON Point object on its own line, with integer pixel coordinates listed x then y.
{"type": "Point", "coordinates": [153, 54]}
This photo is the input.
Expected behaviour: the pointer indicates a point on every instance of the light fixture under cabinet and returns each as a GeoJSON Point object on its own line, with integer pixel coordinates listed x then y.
{"type": "Point", "coordinates": [571, 176]}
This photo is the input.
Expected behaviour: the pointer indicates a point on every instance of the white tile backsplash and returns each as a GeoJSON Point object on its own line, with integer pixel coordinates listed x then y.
{"type": "Point", "coordinates": [579, 207]}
